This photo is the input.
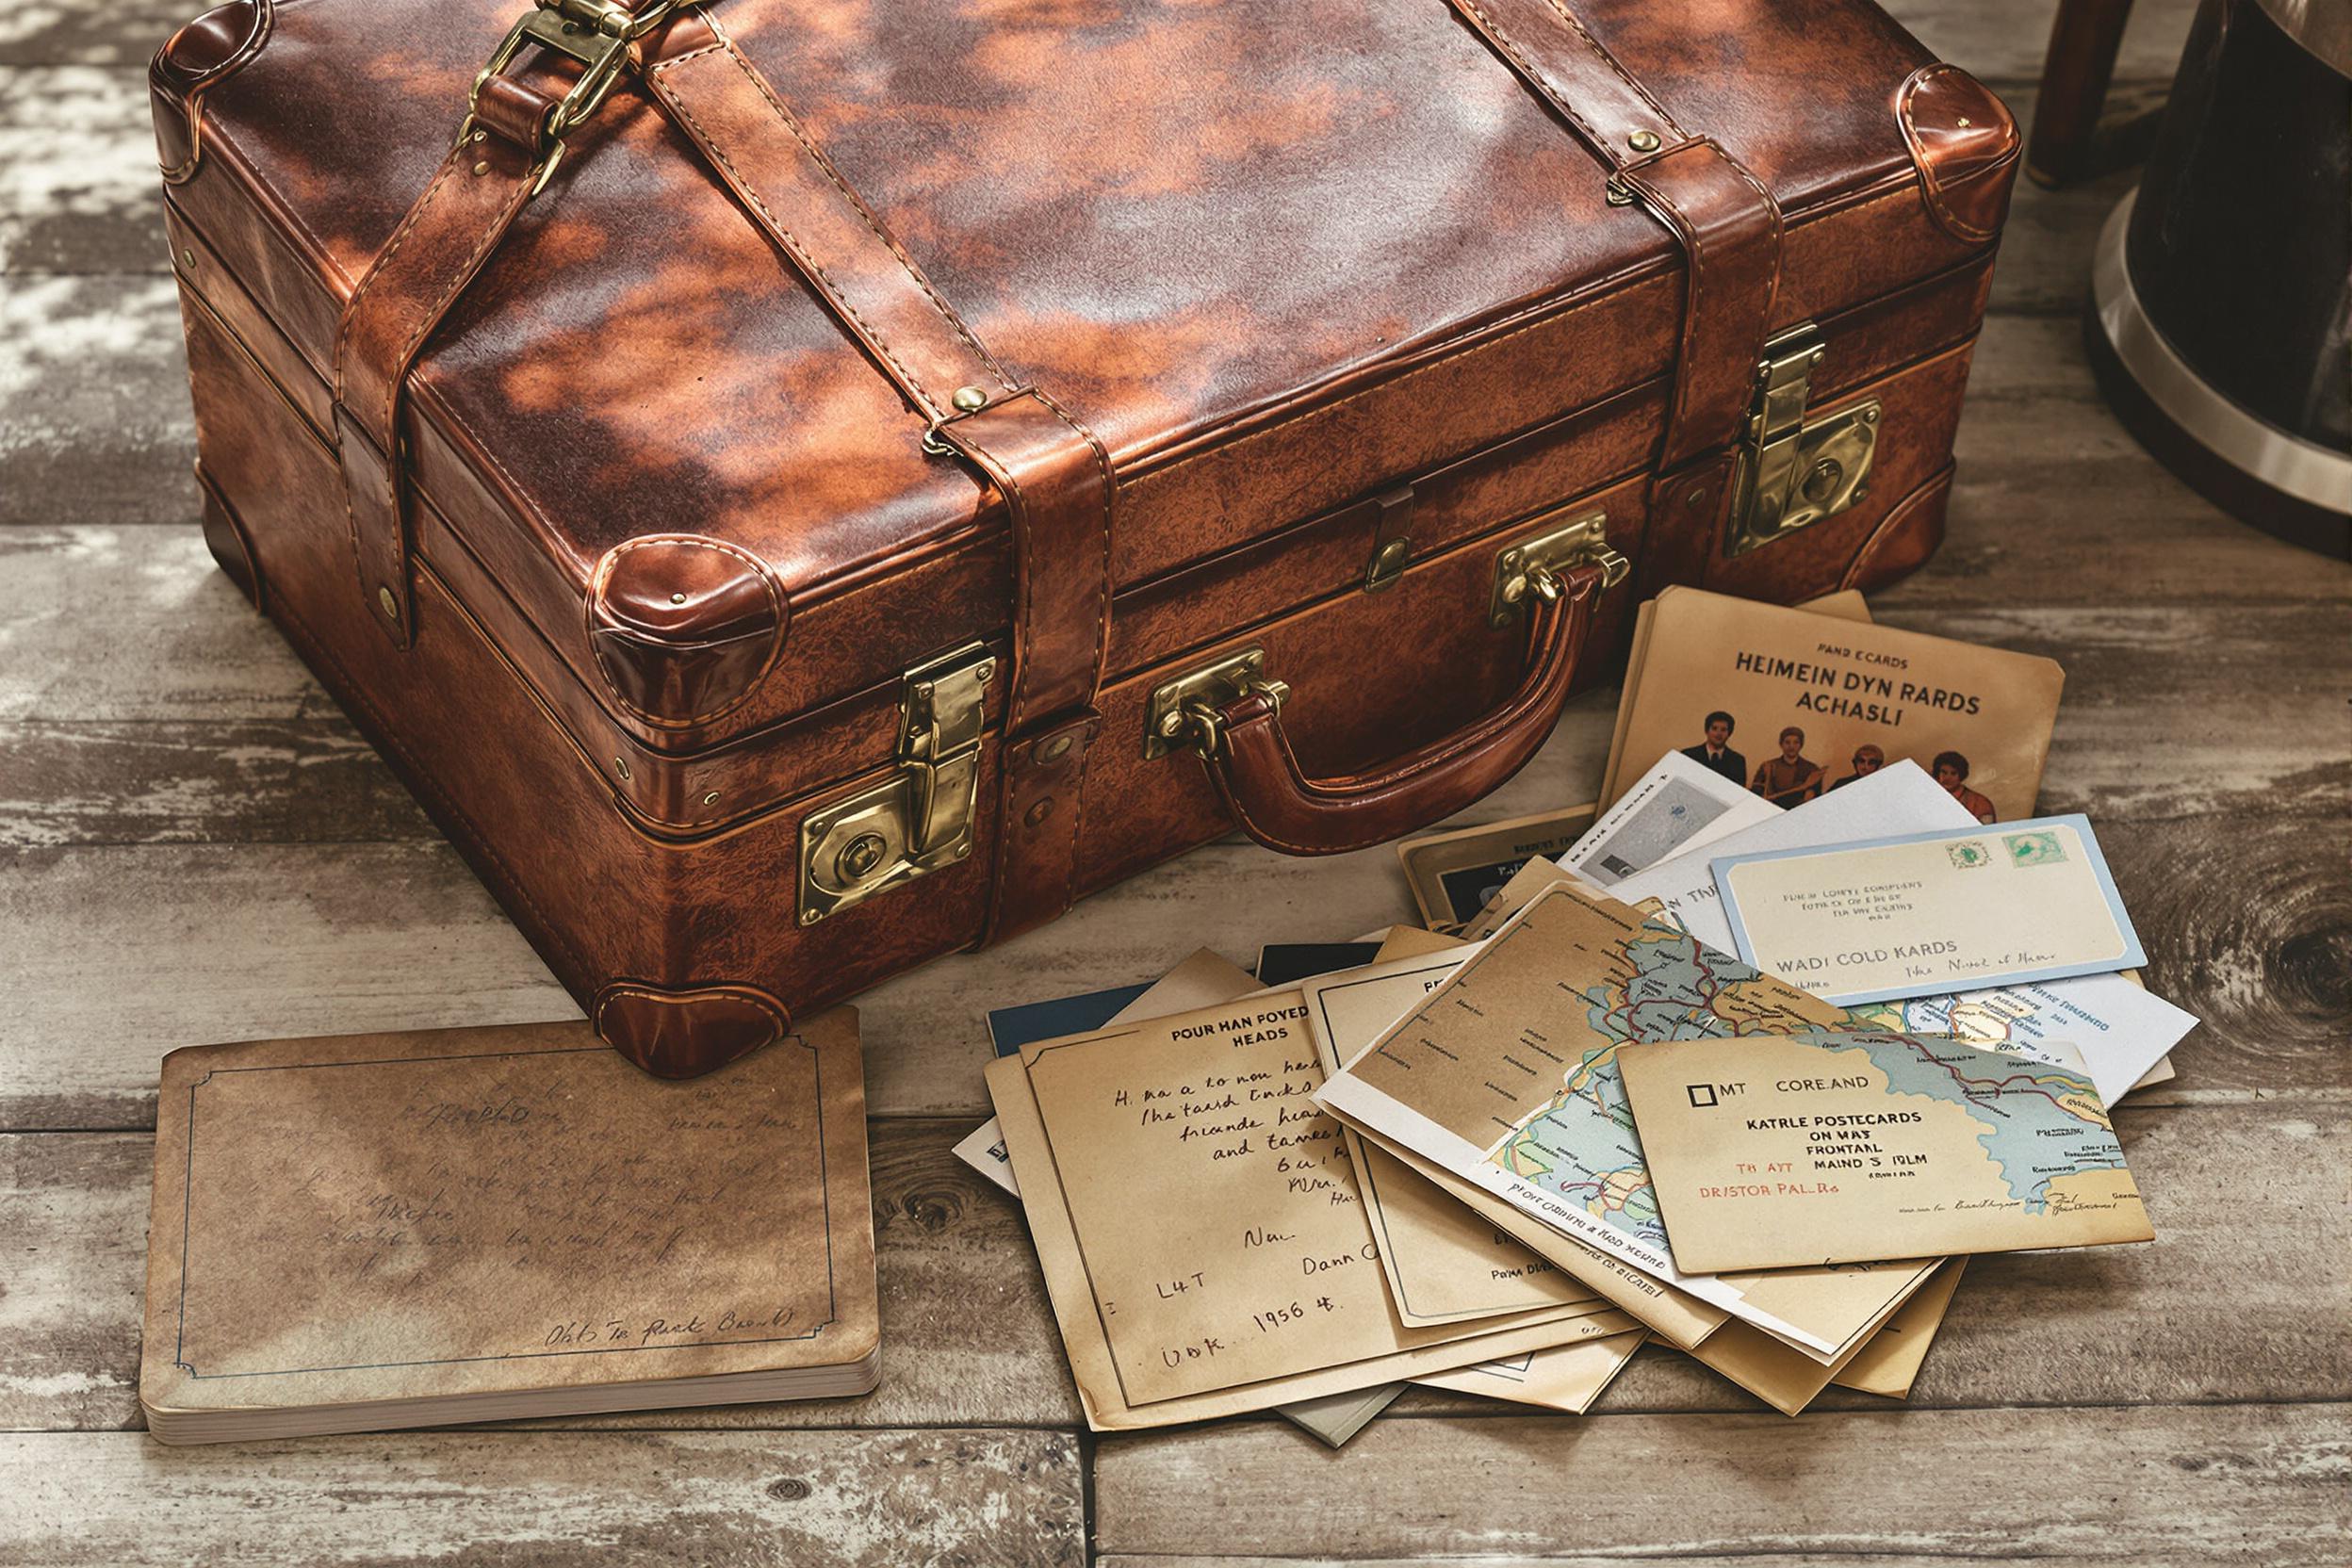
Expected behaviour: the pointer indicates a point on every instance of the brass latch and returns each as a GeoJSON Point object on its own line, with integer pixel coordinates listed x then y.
{"type": "Point", "coordinates": [1794, 471]}
{"type": "Point", "coordinates": [1179, 710]}
{"type": "Point", "coordinates": [1563, 537]}
{"type": "Point", "coordinates": [918, 820]}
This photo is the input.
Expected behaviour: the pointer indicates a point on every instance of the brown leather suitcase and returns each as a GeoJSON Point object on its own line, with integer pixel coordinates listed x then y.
{"type": "Point", "coordinates": [797, 488]}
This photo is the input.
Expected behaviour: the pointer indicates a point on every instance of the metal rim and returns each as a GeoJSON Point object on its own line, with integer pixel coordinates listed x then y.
{"type": "Point", "coordinates": [2323, 27]}
{"type": "Point", "coordinates": [2263, 451]}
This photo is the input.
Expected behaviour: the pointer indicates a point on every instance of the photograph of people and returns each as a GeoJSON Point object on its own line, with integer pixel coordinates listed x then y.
{"type": "Point", "coordinates": [1868, 759]}
{"type": "Point", "coordinates": [1715, 754]}
{"type": "Point", "coordinates": [1951, 772]}
{"type": "Point", "coordinates": [1791, 778]}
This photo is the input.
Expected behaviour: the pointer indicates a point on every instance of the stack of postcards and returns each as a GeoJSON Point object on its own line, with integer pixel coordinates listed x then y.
{"type": "Point", "coordinates": [1743, 1060]}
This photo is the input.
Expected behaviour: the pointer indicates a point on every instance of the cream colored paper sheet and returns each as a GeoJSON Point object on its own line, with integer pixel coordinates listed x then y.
{"type": "Point", "coordinates": [1158, 1235]}
{"type": "Point", "coordinates": [1768, 1152]}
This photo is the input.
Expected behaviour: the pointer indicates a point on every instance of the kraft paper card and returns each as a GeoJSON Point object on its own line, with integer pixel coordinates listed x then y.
{"type": "Point", "coordinates": [1845, 605]}
{"type": "Point", "coordinates": [1506, 1076]}
{"type": "Point", "coordinates": [1454, 873]}
{"type": "Point", "coordinates": [1891, 1363]}
{"type": "Point", "coordinates": [1923, 914]}
{"type": "Point", "coordinates": [1224, 1271]}
{"type": "Point", "coordinates": [1773, 1151]}
{"type": "Point", "coordinates": [1203, 979]}
{"type": "Point", "coordinates": [2121, 1029]}
{"type": "Point", "coordinates": [1784, 1377]}
{"type": "Point", "coordinates": [376, 1231]}
{"type": "Point", "coordinates": [1444, 1263]}
{"type": "Point", "coordinates": [1569, 1379]}
{"type": "Point", "coordinates": [1792, 705]}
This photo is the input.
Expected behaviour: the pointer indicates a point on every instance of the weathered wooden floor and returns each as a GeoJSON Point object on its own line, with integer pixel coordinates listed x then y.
{"type": "Point", "coordinates": [194, 846]}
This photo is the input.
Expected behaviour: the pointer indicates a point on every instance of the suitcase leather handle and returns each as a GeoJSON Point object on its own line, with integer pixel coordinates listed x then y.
{"type": "Point", "coordinates": [1251, 762]}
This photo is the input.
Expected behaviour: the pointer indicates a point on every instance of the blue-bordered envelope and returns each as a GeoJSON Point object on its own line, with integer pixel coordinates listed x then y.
{"type": "Point", "coordinates": [1927, 913]}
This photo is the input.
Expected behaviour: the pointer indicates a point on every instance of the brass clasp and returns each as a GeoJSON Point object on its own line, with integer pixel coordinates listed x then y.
{"type": "Point", "coordinates": [1795, 470]}
{"type": "Point", "coordinates": [919, 819]}
{"type": "Point", "coordinates": [1183, 711]}
{"type": "Point", "coordinates": [595, 33]}
{"type": "Point", "coordinates": [1562, 538]}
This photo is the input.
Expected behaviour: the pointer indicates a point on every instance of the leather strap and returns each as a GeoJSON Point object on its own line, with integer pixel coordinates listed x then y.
{"type": "Point", "coordinates": [465, 211]}
{"type": "Point", "coordinates": [1725, 220]}
{"type": "Point", "coordinates": [1051, 472]}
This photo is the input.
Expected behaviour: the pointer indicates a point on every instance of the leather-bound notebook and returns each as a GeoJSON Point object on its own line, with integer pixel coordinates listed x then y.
{"type": "Point", "coordinates": [373, 1231]}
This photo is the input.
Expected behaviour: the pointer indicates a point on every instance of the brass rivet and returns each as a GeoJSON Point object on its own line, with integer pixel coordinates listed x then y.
{"type": "Point", "coordinates": [810, 917]}
{"type": "Point", "coordinates": [860, 857]}
{"type": "Point", "coordinates": [389, 605]}
{"type": "Point", "coordinates": [1870, 416]}
{"type": "Point", "coordinates": [711, 799]}
{"type": "Point", "coordinates": [677, 599]}
{"type": "Point", "coordinates": [1962, 121]}
{"type": "Point", "coordinates": [1054, 749]}
{"type": "Point", "coordinates": [620, 765]}
{"type": "Point", "coordinates": [1618, 193]}
{"type": "Point", "coordinates": [985, 672]}
{"type": "Point", "coordinates": [963, 849]}
{"type": "Point", "coordinates": [188, 258]}
{"type": "Point", "coordinates": [1172, 723]}
{"type": "Point", "coordinates": [482, 168]}
{"type": "Point", "coordinates": [1393, 553]}
{"type": "Point", "coordinates": [1696, 498]}
{"type": "Point", "coordinates": [481, 136]}
{"type": "Point", "coordinates": [1041, 810]}
{"type": "Point", "coordinates": [970, 399]}
{"type": "Point", "coordinates": [1643, 141]}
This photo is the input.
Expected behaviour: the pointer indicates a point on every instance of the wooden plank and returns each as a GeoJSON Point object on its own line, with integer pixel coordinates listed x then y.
{"type": "Point", "coordinates": [818, 1499]}
{"type": "Point", "coordinates": [60, 32]}
{"type": "Point", "coordinates": [968, 1339]}
{"type": "Point", "coordinates": [142, 948]}
{"type": "Point", "coordinates": [78, 187]}
{"type": "Point", "coordinates": [95, 417]}
{"type": "Point", "coordinates": [2003, 41]}
{"type": "Point", "coordinates": [254, 782]}
{"type": "Point", "coordinates": [2261, 1484]}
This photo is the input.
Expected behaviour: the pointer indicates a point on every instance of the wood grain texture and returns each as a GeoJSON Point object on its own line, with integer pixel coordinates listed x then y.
{"type": "Point", "coordinates": [969, 1338]}
{"type": "Point", "coordinates": [548, 1499]}
{"type": "Point", "coordinates": [2160, 1484]}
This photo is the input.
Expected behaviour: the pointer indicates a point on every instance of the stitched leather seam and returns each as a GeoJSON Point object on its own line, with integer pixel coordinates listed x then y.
{"type": "Point", "coordinates": [792, 242]}
{"type": "Point", "coordinates": [1536, 77]}
{"type": "Point", "coordinates": [775, 1010]}
{"type": "Point", "coordinates": [1931, 186]}
{"type": "Point", "coordinates": [767, 584]}
{"type": "Point", "coordinates": [1102, 583]}
{"type": "Point", "coordinates": [1611, 61]}
{"type": "Point", "coordinates": [872, 221]}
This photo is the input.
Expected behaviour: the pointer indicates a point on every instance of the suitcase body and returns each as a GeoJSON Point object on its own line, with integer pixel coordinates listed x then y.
{"type": "Point", "coordinates": [797, 489]}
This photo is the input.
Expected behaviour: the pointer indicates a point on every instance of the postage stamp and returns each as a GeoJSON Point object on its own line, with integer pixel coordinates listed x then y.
{"type": "Point", "coordinates": [1968, 853]}
{"type": "Point", "coordinates": [2034, 849]}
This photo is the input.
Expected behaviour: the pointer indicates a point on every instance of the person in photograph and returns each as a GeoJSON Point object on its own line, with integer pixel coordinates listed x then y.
{"type": "Point", "coordinates": [1951, 772]}
{"type": "Point", "coordinates": [1791, 778]}
{"type": "Point", "coordinates": [1714, 754]}
{"type": "Point", "coordinates": [1868, 759]}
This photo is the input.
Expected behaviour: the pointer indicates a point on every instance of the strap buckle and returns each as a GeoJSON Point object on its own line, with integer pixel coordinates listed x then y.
{"type": "Point", "coordinates": [595, 33]}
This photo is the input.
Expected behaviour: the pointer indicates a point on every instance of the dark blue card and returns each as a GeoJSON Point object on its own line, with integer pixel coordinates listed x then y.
{"type": "Point", "coordinates": [1010, 1028]}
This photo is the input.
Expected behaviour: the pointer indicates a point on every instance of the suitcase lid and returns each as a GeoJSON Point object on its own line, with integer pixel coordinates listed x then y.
{"type": "Point", "coordinates": [1234, 239]}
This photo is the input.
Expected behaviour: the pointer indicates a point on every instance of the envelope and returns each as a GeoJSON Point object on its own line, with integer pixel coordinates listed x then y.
{"type": "Point", "coordinates": [1778, 1151]}
{"type": "Point", "coordinates": [1927, 913]}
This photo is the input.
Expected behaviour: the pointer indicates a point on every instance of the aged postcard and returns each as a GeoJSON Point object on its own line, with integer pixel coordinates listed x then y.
{"type": "Point", "coordinates": [2121, 1029]}
{"type": "Point", "coordinates": [1926, 914]}
{"type": "Point", "coordinates": [1771, 1152]}
{"type": "Point", "coordinates": [376, 1231]}
{"type": "Point", "coordinates": [1891, 1363]}
{"type": "Point", "coordinates": [1791, 704]}
{"type": "Point", "coordinates": [1204, 978]}
{"type": "Point", "coordinates": [1507, 1077]}
{"type": "Point", "coordinates": [1454, 873]}
{"type": "Point", "coordinates": [1568, 1377]}
{"type": "Point", "coordinates": [1444, 1263]}
{"type": "Point", "coordinates": [1199, 1229]}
